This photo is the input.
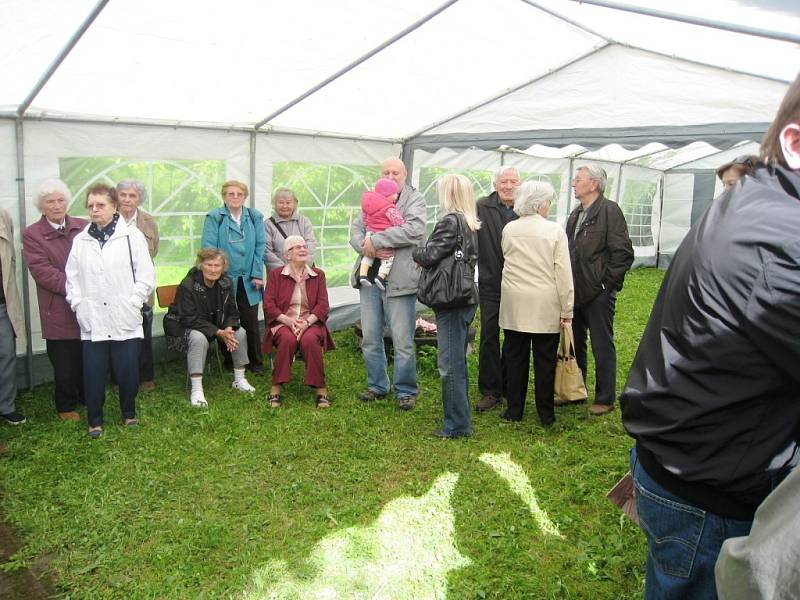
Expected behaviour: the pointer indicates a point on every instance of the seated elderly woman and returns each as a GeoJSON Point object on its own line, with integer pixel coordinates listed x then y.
{"type": "Point", "coordinates": [295, 311]}
{"type": "Point", "coordinates": [536, 299]}
{"type": "Point", "coordinates": [204, 310]}
{"type": "Point", "coordinates": [285, 221]}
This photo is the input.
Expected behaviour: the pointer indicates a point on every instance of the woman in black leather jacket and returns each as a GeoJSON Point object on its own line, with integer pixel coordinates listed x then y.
{"type": "Point", "coordinates": [457, 203]}
{"type": "Point", "coordinates": [205, 309]}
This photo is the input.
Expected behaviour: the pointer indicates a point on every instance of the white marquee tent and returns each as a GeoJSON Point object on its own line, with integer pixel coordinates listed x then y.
{"type": "Point", "coordinates": [313, 94]}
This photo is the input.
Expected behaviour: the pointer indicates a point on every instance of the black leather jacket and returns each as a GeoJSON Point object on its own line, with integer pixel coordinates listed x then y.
{"type": "Point", "coordinates": [191, 309]}
{"type": "Point", "coordinates": [601, 252]}
{"type": "Point", "coordinates": [443, 243]}
{"type": "Point", "coordinates": [713, 396]}
{"type": "Point", "coordinates": [493, 216]}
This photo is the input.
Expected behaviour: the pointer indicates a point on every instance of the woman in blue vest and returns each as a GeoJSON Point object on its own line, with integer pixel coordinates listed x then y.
{"type": "Point", "coordinates": [239, 231]}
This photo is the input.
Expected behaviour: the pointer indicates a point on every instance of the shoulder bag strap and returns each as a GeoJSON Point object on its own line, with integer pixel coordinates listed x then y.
{"type": "Point", "coordinates": [278, 227]}
{"type": "Point", "coordinates": [130, 256]}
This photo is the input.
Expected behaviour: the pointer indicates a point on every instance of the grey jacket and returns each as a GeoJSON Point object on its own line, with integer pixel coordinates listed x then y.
{"type": "Point", "coordinates": [401, 238]}
{"type": "Point", "coordinates": [297, 224]}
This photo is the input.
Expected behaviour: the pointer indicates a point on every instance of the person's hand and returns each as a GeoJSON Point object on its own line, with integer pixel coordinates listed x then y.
{"type": "Point", "coordinates": [228, 337]}
{"type": "Point", "coordinates": [293, 324]}
{"type": "Point", "coordinates": [565, 322]}
{"type": "Point", "coordinates": [303, 325]}
{"type": "Point", "coordinates": [257, 283]}
{"type": "Point", "coordinates": [384, 253]}
{"type": "Point", "coordinates": [367, 248]}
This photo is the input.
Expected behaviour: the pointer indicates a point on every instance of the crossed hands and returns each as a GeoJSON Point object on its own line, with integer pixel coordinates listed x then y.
{"type": "Point", "coordinates": [228, 337]}
{"type": "Point", "coordinates": [298, 326]}
{"type": "Point", "coordinates": [368, 249]}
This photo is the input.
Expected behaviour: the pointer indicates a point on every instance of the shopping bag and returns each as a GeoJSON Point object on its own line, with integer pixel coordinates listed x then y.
{"type": "Point", "coordinates": [569, 379]}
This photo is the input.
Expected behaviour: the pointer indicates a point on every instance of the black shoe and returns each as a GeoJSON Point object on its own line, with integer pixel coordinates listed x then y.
{"type": "Point", "coordinates": [370, 396]}
{"type": "Point", "coordinates": [257, 369]}
{"type": "Point", "coordinates": [506, 417]}
{"type": "Point", "coordinates": [14, 418]}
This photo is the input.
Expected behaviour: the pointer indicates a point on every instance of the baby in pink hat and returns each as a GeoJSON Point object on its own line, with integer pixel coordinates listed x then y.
{"type": "Point", "coordinates": [379, 212]}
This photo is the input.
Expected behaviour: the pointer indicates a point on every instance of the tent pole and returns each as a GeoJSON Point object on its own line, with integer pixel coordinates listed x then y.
{"type": "Point", "coordinates": [754, 31]}
{"type": "Point", "coordinates": [26, 294]}
{"type": "Point", "coordinates": [253, 169]}
{"type": "Point", "coordinates": [572, 22]}
{"type": "Point", "coordinates": [71, 43]}
{"type": "Point", "coordinates": [356, 62]}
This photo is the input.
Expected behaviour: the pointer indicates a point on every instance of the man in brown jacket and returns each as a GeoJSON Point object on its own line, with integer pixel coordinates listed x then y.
{"type": "Point", "coordinates": [601, 253]}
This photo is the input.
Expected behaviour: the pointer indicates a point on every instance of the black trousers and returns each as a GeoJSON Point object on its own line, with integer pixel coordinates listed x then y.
{"type": "Point", "coordinates": [66, 356]}
{"type": "Point", "coordinates": [248, 317]}
{"type": "Point", "coordinates": [597, 317]}
{"type": "Point", "coordinates": [517, 352]}
{"type": "Point", "coordinates": [491, 361]}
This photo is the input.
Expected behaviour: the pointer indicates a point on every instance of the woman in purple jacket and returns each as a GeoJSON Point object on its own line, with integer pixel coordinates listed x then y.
{"type": "Point", "coordinates": [46, 245]}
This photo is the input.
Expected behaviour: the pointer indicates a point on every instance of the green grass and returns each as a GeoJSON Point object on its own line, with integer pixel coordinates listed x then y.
{"type": "Point", "coordinates": [358, 501]}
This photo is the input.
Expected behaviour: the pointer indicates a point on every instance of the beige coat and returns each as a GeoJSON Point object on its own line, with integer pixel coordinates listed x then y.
{"type": "Point", "coordinates": [536, 290]}
{"type": "Point", "coordinates": [8, 260]}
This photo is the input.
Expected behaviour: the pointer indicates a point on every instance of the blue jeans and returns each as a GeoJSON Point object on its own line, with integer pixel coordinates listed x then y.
{"type": "Point", "coordinates": [452, 326]}
{"type": "Point", "coordinates": [399, 313]}
{"type": "Point", "coordinates": [683, 541]}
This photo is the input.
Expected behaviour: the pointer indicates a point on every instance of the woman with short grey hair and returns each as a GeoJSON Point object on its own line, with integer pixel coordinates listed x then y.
{"type": "Point", "coordinates": [536, 299]}
{"type": "Point", "coordinates": [284, 222]}
{"type": "Point", "coordinates": [131, 193]}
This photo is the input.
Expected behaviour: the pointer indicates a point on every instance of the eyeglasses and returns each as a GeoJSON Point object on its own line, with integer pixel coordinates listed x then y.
{"type": "Point", "coordinates": [234, 194]}
{"type": "Point", "coordinates": [298, 247]}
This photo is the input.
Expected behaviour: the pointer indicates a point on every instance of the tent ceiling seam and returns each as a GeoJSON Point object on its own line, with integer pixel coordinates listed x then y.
{"type": "Point", "coordinates": [600, 46]}
{"type": "Point", "coordinates": [566, 19]}
{"type": "Point", "coordinates": [396, 37]}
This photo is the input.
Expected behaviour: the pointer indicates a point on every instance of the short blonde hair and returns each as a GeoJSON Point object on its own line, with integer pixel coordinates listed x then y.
{"type": "Point", "coordinates": [235, 183]}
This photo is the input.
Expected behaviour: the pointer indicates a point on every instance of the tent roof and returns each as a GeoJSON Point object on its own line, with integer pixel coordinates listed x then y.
{"type": "Point", "coordinates": [525, 65]}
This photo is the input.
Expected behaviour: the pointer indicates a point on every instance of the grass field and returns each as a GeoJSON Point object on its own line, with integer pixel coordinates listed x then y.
{"type": "Point", "coordinates": [359, 501]}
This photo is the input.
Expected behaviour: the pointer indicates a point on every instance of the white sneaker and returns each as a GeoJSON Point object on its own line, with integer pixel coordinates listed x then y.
{"type": "Point", "coordinates": [198, 398]}
{"type": "Point", "coordinates": [243, 386]}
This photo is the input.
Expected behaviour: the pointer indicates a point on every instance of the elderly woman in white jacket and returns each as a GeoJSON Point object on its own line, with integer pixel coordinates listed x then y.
{"type": "Point", "coordinates": [109, 276]}
{"type": "Point", "coordinates": [536, 298]}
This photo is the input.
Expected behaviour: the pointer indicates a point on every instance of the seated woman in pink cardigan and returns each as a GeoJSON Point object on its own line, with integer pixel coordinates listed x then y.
{"type": "Point", "coordinates": [295, 311]}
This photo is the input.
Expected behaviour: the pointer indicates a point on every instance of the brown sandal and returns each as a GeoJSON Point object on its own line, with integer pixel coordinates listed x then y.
{"type": "Point", "coordinates": [323, 401]}
{"type": "Point", "coordinates": [274, 400]}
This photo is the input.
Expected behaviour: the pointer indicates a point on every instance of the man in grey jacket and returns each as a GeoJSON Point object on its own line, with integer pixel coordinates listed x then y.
{"type": "Point", "coordinates": [396, 307]}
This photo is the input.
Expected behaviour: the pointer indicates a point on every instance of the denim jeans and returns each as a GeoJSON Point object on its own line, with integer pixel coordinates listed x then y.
{"type": "Point", "coordinates": [683, 541]}
{"type": "Point", "coordinates": [452, 326]}
{"type": "Point", "coordinates": [398, 312]}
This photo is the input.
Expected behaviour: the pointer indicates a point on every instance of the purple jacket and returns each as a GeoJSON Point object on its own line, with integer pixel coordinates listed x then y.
{"type": "Point", "coordinates": [46, 250]}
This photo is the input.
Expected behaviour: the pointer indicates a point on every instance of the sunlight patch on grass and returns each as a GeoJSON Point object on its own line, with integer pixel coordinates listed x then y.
{"type": "Point", "coordinates": [520, 485]}
{"type": "Point", "coordinates": [406, 553]}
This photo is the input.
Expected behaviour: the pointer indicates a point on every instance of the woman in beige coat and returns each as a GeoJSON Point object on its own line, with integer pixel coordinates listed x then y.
{"type": "Point", "coordinates": [536, 298]}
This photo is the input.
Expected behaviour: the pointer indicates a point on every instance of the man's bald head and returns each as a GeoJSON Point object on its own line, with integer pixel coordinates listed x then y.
{"type": "Point", "coordinates": [394, 169]}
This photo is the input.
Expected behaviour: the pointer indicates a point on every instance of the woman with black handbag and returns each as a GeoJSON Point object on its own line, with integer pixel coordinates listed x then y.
{"type": "Point", "coordinates": [447, 285]}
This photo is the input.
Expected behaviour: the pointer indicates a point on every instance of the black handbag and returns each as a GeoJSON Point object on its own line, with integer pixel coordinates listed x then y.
{"type": "Point", "coordinates": [451, 282]}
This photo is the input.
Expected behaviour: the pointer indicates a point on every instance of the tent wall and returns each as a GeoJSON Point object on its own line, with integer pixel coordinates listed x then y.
{"type": "Point", "coordinates": [183, 168]}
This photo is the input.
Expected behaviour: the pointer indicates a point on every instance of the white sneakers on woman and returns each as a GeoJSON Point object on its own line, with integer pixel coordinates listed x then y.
{"type": "Point", "coordinates": [243, 386]}
{"type": "Point", "coordinates": [198, 398]}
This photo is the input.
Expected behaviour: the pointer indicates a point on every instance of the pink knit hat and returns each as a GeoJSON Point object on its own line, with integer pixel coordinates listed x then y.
{"type": "Point", "coordinates": [386, 187]}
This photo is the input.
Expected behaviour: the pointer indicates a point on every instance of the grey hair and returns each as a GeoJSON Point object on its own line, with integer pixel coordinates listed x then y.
{"type": "Point", "coordinates": [596, 173]}
{"type": "Point", "coordinates": [503, 170]}
{"type": "Point", "coordinates": [137, 186]}
{"type": "Point", "coordinates": [290, 242]}
{"type": "Point", "coordinates": [51, 186]}
{"type": "Point", "coordinates": [282, 191]}
{"type": "Point", "coordinates": [531, 196]}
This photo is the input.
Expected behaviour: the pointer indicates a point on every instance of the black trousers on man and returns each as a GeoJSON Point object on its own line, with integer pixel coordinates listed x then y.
{"type": "Point", "coordinates": [597, 317]}
{"type": "Point", "coordinates": [491, 362]}
{"type": "Point", "coordinates": [517, 352]}
{"type": "Point", "coordinates": [248, 318]}
{"type": "Point", "coordinates": [66, 356]}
